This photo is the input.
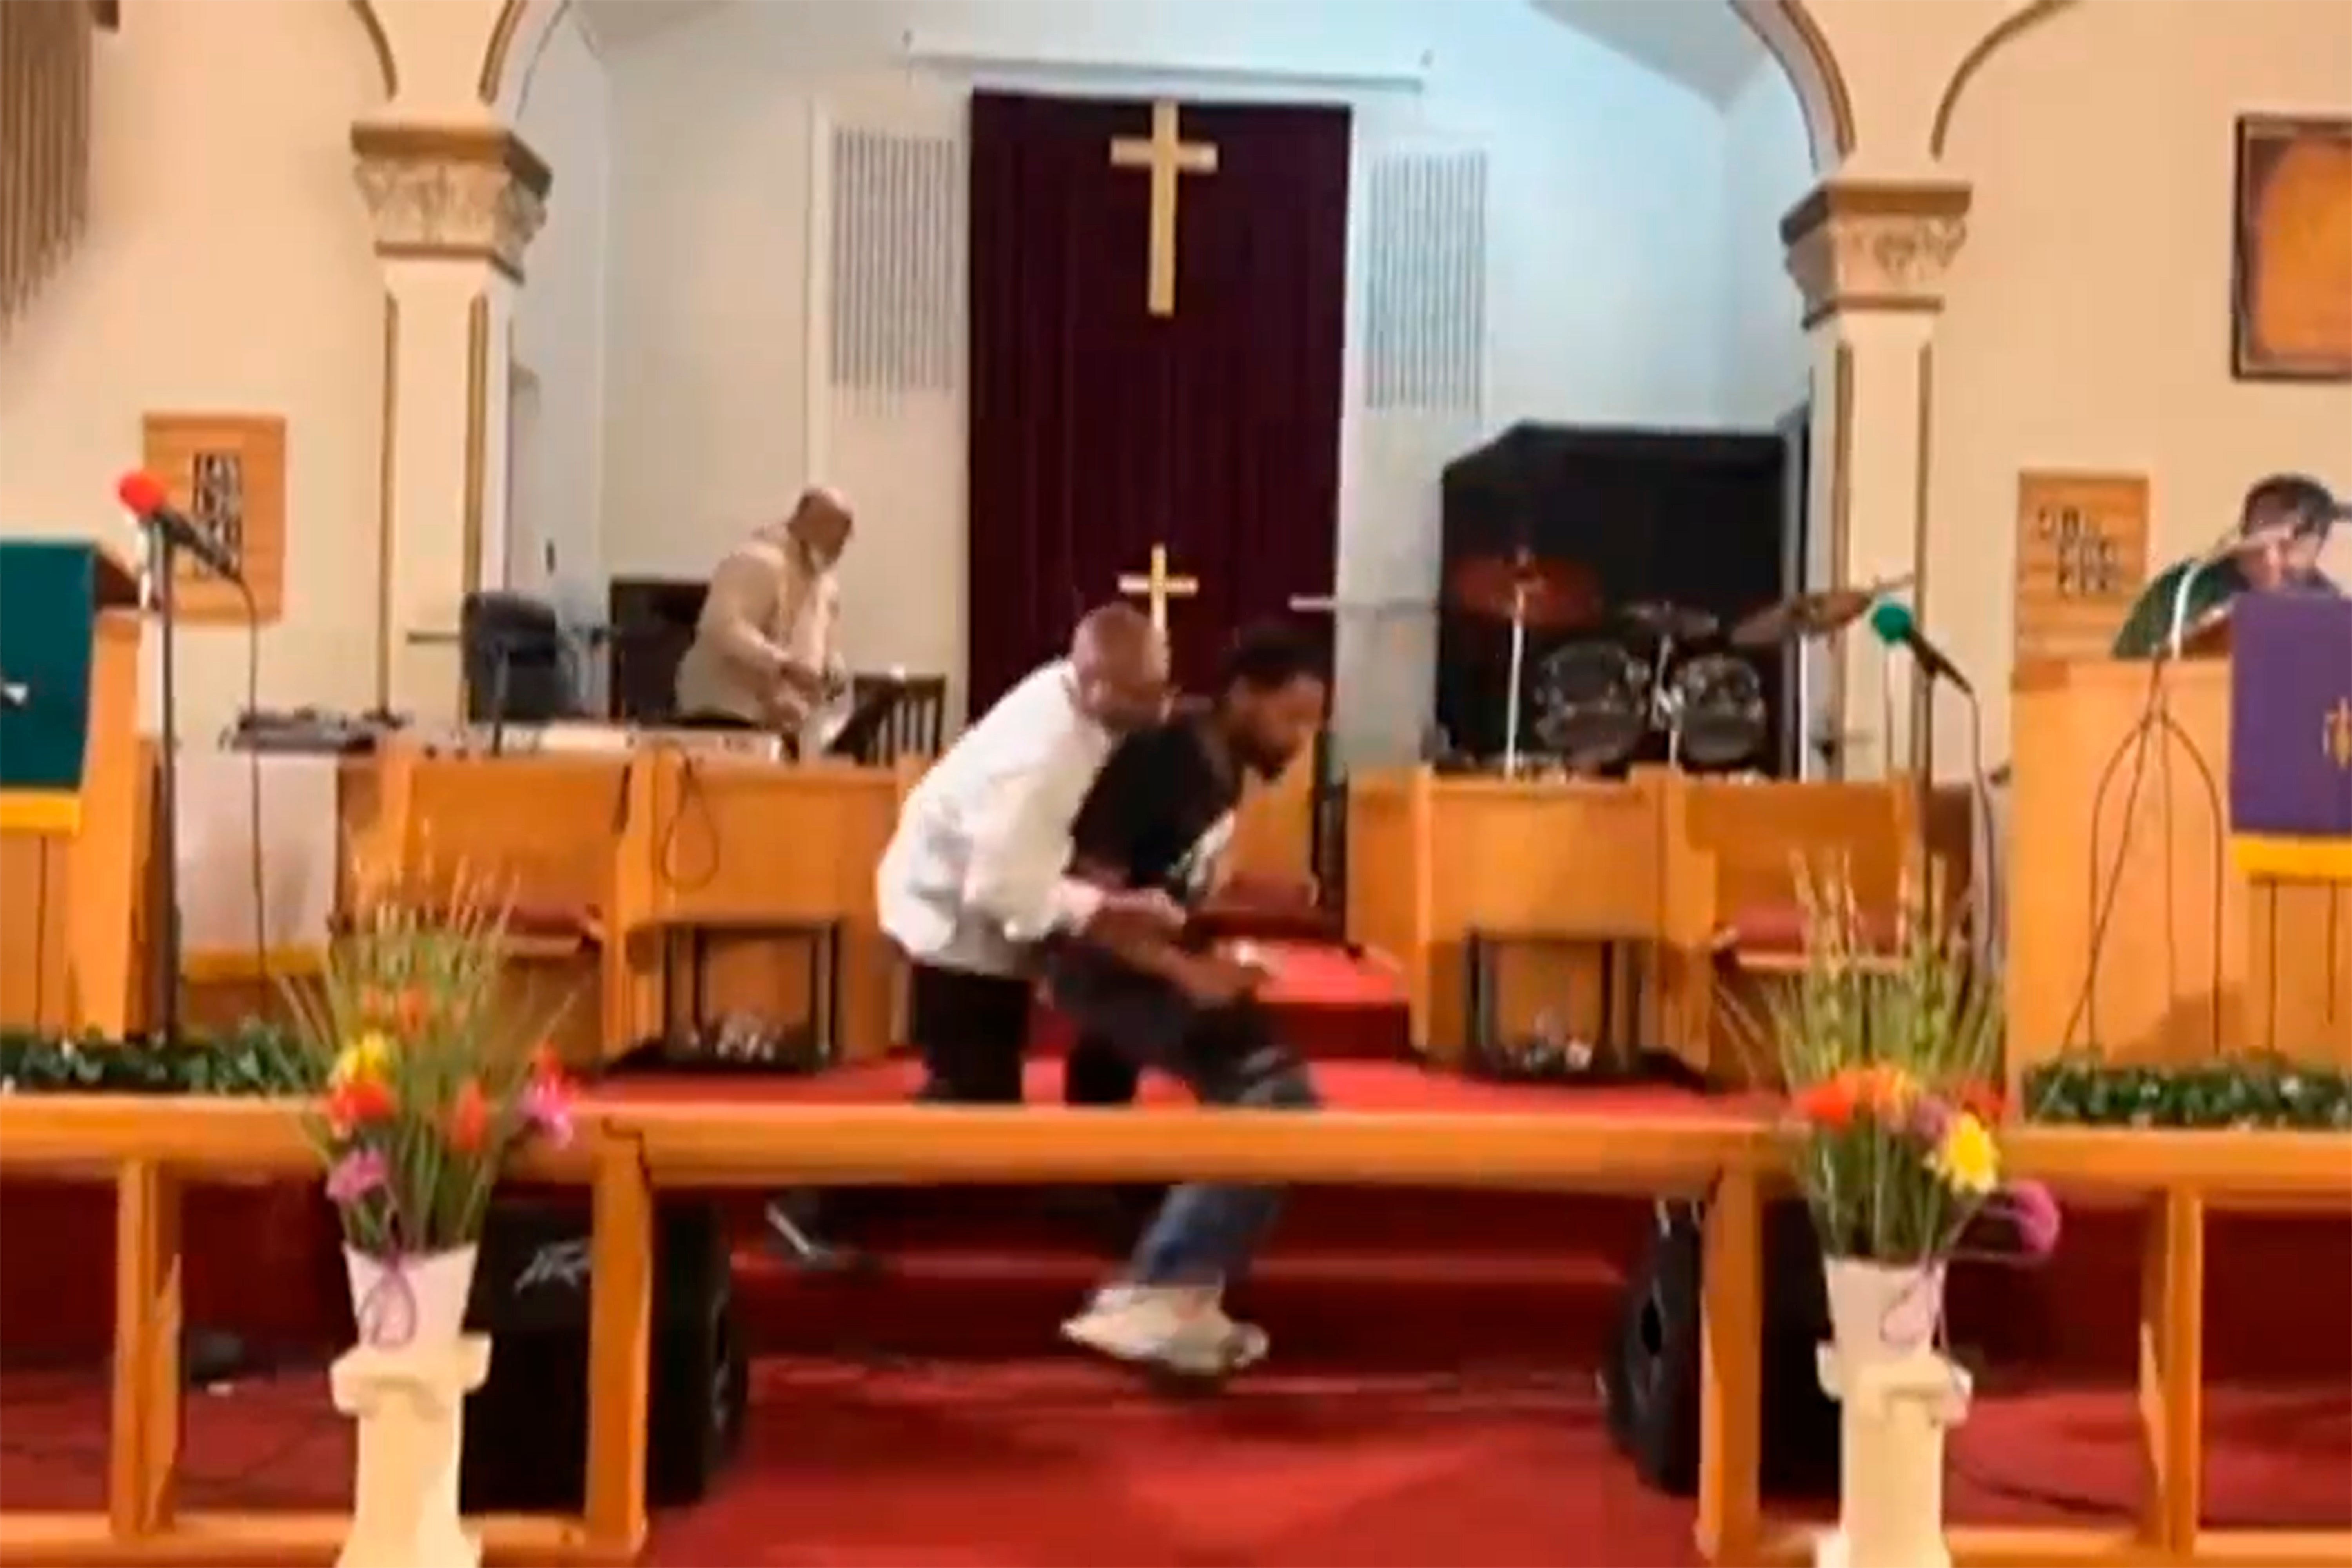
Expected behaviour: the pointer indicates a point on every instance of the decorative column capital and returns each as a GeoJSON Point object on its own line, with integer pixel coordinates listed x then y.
{"type": "Point", "coordinates": [1874, 245]}
{"type": "Point", "coordinates": [472, 193]}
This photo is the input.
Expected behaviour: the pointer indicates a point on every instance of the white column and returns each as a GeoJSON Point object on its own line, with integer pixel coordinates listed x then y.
{"type": "Point", "coordinates": [409, 1404]}
{"type": "Point", "coordinates": [1891, 1470]}
{"type": "Point", "coordinates": [454, 208]}
{"type": "Point", "coordinates": [1869, 258]}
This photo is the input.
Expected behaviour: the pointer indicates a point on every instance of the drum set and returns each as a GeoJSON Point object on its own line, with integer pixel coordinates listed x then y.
{"type": "Point", "coordinates": [1648, 669]}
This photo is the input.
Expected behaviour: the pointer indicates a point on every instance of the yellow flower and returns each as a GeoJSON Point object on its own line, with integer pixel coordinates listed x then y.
{"type": "Point", "coordinates": [363, 1060]}
{"type": "Point", "coordinates": [1966, 1158]}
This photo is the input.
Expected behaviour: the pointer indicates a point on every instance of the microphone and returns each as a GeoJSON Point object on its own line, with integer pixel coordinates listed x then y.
{"type": "Point", "coordinates": [1892, 624]}
{"type": "Point", "coordinates": [143, 495]}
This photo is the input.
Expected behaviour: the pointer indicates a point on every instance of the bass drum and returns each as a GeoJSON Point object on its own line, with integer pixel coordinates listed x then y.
{"type": "Point", "coordinates": [1719, 703]}
{"type": "Point", "coordinates": [1591, 703]}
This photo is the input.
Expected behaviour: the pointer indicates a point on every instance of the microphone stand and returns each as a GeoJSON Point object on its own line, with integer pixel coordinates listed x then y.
{"type": "Point", "coordinates": [164, 875]}
{"type": "Point", "coordinates": [502, 650]}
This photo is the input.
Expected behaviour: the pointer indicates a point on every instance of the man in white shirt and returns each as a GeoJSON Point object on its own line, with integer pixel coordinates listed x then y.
{"type": "Point", "coordinates": [978, 872]}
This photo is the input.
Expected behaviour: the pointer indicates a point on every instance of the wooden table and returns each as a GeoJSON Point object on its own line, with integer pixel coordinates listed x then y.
{"type": "Point", "coordinates": [1663, 863]}
{"type": "Point", "coordinates": [626, 1152]}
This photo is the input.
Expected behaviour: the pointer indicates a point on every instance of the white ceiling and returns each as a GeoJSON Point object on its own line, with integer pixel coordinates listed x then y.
{"type": "Point", "coordinates": [1698, 43]}
{"type": "Point", "coordinates": [617, 24]}
{"type": "Point", "coordinates": [1701, 44]}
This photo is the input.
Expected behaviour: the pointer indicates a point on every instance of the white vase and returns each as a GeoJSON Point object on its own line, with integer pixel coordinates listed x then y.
{"type": "Point", "coordinates": [1882, 1311]}
{"type": "Point", "coordinates": [1898, 1396]}
{"type": "Point", "coordinates": [416, 1301]}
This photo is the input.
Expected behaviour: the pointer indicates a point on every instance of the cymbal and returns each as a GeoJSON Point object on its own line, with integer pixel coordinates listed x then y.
{"type": "Point", "coordinates": [1812, 615]}
{"type": "Point", "coordinates": [1546, 595]}
{"type": "Point", "coordinates": [1677, 622]}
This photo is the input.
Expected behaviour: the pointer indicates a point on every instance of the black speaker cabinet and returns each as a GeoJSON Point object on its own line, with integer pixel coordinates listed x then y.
{"type": "Point", "coordinates": [1650, 1369]}
{"type": "Point", "coordinates": [526, 1426]}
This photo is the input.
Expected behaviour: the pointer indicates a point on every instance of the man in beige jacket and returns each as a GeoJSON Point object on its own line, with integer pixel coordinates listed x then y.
{"type": "Point", "coordinates": [765, 653]}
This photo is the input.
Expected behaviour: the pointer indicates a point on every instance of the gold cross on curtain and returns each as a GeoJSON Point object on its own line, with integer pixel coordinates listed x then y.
{"type": "Point", "coordinates": [1166, 157]}
{"type": "Point", "coordinates": [1157, 586]}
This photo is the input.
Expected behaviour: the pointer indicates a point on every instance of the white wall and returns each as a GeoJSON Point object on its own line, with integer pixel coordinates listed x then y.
{"type": "Point", "coordinates": [1605, 255]}
{"type": "Point", "coordinates": [231, 272]}
{"type": "Point", "coordinates": [557, 469]}
{"type": "Point", "coordinates": [1767, 168]}
{"type": "Point", "coordinates": [2088, 318]}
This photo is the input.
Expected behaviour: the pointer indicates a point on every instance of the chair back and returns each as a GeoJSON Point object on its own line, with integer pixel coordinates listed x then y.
{"type": "Point", "coordinates": [914, 723]}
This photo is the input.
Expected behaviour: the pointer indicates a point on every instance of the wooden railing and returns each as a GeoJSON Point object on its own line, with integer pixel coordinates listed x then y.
{"type": "Point", "coordinates": [623, 1153]}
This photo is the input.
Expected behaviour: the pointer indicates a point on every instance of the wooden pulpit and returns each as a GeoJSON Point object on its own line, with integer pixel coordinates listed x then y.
{"type": "Point", "coordinates": [72, 796]}
{"type": "Point", "coordinates": [2132, 927]}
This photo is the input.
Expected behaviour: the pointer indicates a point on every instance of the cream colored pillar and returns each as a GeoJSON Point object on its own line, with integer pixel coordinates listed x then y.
{"type": "Point", "coordinates": [455, 205]}
{"type": "Point", "coordinates": [1870, 258]}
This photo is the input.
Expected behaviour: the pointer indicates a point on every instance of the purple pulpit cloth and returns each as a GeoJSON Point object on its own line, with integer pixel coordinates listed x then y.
{"type": "Point", "coordinates": [2291, 736]}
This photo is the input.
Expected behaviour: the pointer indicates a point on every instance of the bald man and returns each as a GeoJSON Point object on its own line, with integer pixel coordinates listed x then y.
{"type": "Point", "coordinates": [978, 872]}
{"type": "Point", "coordinates": [766, 653]}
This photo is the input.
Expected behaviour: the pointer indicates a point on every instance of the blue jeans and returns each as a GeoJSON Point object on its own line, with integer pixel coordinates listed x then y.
{"type": "Point", "coordinates": [1205, 1233]}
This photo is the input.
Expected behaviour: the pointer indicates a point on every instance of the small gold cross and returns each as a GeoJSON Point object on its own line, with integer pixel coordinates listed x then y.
{"type": "Point", "coordinates": [1158, 586]}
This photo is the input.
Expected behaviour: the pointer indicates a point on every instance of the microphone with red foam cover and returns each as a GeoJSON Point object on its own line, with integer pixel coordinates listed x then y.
{"type": "Point", "coordinates": [143, 495]}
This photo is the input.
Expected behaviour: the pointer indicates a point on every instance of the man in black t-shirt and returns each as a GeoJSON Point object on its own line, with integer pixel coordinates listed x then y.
{"type": "Point", "coordinates": [1160, 816]}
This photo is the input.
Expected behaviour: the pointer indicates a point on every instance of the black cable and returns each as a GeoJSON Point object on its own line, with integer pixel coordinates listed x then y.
{"type": "Point", "coordinates": [253, 793]}
{"type": "Point", "coordinates": [1981, 790]}
{"type": "Point", "coordinates": [2137, 741]}
{"type": "Point", "coordinates": [692, 796]}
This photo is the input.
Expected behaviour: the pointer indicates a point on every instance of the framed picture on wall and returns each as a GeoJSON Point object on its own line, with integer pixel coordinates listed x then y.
{"type": "Point", "coordinates": [2290, 311]}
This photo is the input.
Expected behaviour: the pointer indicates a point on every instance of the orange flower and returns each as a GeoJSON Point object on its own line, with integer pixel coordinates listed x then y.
{"type": "Point", "coordinates": [372, 1007]}
{"type": "Point", "coordinates": [355, 1102]}
{"type": "Point", "coordinates": [1982, 1101]}
{"type": "Point", "coordinates": [1831, 1103]}
{"type": "Point", "coordinates": [410, 1008]}
{"type": "Point", "coordinates": [1887, 1092]}
{"type": "Point", "coordinates": [469, 1117]}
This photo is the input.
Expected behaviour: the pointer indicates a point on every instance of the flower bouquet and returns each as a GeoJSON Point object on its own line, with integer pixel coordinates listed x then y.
{"type": "Point", "coordinates": [1892, 1060]}
{"type": "Point", "coordinates": [422, 1096]}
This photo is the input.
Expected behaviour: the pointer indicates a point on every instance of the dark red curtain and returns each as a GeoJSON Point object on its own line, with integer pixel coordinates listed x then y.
{"type": "Point", "coordinates": [1098, 429]}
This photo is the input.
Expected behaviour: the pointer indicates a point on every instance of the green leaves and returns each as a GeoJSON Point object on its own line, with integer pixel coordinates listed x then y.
{"type": "Point", "coordinates": [2268, 1091]}
{"type": "Point", "coordinates": [254, 1059]}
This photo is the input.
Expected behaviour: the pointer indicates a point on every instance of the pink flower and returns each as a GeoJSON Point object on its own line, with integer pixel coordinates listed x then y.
{"type": "Point", "coordinates": [1930, 1117]}
{"type": "Point", "coordinates": [547, 1109]}
{"type": "Point", "coordinates": [2034, 1212]}
{"type": "Point", "coordinates": [355, 1175]}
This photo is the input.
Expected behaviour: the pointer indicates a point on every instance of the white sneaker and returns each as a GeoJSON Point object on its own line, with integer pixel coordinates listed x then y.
{"type": "Point", "coordinates": [1181, 1328]}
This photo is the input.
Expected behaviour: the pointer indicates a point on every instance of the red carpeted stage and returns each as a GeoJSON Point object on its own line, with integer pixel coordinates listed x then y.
{"type": "Point", "coordinates": [1432, 1398]}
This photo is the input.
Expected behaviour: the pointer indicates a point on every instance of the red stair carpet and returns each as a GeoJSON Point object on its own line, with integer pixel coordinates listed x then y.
{"type": "Point", "coordinates": [1431, 1399]}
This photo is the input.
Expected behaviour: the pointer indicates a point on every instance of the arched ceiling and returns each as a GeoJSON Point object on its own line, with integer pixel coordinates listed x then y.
{"type": "Point", "coordinates": [1702, 46]}
{"type": "Point", "coordinates": [1706, 48]}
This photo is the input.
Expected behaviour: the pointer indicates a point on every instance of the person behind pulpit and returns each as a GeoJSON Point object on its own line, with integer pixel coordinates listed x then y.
{"type": "Point", "coordinates": [2282, 529]}
{"type": "Point", "coordinates": [766, 652]}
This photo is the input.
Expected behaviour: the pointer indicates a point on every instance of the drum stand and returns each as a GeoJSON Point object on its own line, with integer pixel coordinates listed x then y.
{"type": "Point", "coordinates": [1519, 674]}
{"type": "Point", "coordinates": [1666, 706]}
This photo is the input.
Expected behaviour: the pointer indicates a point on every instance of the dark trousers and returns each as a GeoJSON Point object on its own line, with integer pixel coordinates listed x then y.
{"type": "Point", "coordinates": [969, 1029]}
{"type": "Point", "coordinates": [706, 719]}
